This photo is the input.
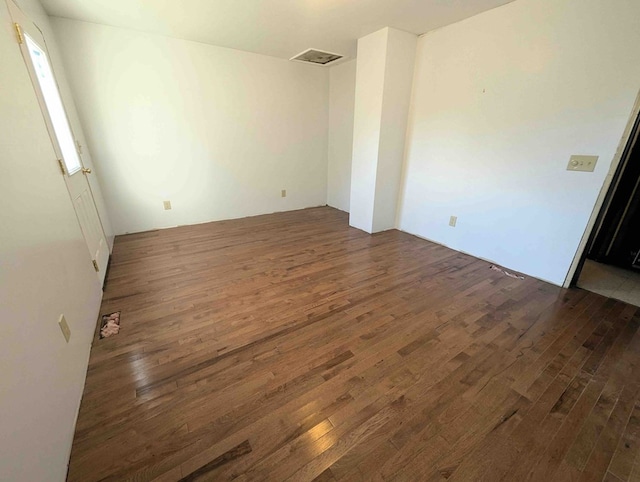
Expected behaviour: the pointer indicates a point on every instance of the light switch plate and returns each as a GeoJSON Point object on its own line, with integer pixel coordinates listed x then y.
{"type": "Point", "coordinates": [582, 163]}
{"type": "Point", "coordinates": [64, 326]}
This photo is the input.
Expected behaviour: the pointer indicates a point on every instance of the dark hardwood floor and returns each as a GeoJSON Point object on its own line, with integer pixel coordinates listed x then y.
{"type": "Point", "coordinates": [292, 347]}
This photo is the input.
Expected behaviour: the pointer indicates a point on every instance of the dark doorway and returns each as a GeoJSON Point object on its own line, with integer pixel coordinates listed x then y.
{"type": "Point", "coordinates": [615, 238]}
{"type": "Point", "coordinates": [610, 264]}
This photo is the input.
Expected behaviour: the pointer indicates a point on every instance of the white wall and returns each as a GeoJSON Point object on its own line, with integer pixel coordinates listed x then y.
{"type": "Point", "coordinates": [366, 127]}
{"type": "Point", "coordinates": [500, 103]}
{"type": "Point", "coordinates": [383, 92]}
{"type": "Point", "coordinates": [398, 77]}
{"type": "Point", "coordinates": [342, 88]}
{"type": "Point", "coordinates": [218, 132]}
{"type": "Point", "coordinates": [45, 270]}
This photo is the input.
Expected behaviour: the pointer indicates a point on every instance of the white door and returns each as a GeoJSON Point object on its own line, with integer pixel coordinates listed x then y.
{"type": "Point", "coordinates": [34, 52]}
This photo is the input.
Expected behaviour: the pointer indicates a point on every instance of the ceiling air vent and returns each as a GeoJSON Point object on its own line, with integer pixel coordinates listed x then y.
{"type": "Point", "coordinates": [318, 57]}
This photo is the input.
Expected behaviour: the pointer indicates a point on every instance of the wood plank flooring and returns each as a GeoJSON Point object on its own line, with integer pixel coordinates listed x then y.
{"type": "Point", "coordinates": [292, 347]}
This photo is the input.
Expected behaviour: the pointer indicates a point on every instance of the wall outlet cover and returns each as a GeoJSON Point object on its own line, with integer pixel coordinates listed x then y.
{"type": "Point", "coordinates": [284, 193]}
{"type": "Point", "coordinates": [167, 205]}
{"type": "Point", "coordinates": [582, 163]}
{"type": "Point", "coordinates": [452, 221]}
{"type": "Point", "coordinates": [64, 326]}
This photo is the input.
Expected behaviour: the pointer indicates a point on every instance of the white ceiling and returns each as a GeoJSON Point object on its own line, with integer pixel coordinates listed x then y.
{"type": "Point", "coordinates": [280, 28]}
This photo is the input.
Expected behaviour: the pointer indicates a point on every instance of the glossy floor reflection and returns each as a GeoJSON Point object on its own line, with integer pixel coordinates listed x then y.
{"type": "Point", "coordinates": [293, 347]}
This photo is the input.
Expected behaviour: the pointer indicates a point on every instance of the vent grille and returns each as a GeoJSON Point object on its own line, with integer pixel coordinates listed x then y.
{"type": "Point", "coordinates": [318, 57]}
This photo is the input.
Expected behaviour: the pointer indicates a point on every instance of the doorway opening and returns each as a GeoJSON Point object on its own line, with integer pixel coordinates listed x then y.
{"type": "Point", "coordinates": [610, 264]}
{"type": "Point", "coordinates": [63, 142]}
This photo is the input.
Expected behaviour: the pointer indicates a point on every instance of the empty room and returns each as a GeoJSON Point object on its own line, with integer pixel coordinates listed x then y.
{"type": "Point", "coordinates": [326, 240]}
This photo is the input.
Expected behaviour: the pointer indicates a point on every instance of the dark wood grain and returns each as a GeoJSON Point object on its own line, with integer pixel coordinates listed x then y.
{"type": "Point", "coordinates": [204, 471]}
{"type": "Point", "coordinates": [293, 347]}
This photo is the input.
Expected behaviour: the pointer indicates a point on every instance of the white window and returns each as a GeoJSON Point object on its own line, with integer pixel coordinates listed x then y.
{"type": "Point", "coordinates": [55, 109]}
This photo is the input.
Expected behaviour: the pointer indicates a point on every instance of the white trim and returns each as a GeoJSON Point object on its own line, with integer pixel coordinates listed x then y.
{"type": "Point", "coordinates": [603, 192]}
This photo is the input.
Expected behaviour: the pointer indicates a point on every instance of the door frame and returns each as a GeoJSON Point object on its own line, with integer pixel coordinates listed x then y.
{"type": "Point", "coordinates": [57, 151]}
{"type": "Point", "coordinates": [606, 191]}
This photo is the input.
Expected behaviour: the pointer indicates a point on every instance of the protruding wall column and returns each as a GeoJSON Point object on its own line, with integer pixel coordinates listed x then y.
{"type": "Point", "coordinates": [383, 91]}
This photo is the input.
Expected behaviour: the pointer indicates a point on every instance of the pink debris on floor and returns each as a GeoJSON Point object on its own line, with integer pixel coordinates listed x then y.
{"type": "Point", "coordinates": [510, 275]}
{"type": "Point", "coordinates": [110, 325]}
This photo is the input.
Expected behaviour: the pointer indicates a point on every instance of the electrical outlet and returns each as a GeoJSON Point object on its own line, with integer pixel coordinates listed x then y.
{"type": "Point", "coordinates": [452, 221]}
{"type": "Point", "coordinates": [582, 163]}
{"type": "Point", "coordinates": [284, 193]}
{"type": "Point", "coordinates": [64, 326]}
{"type": "Point", "coordinates": [167, 205]}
